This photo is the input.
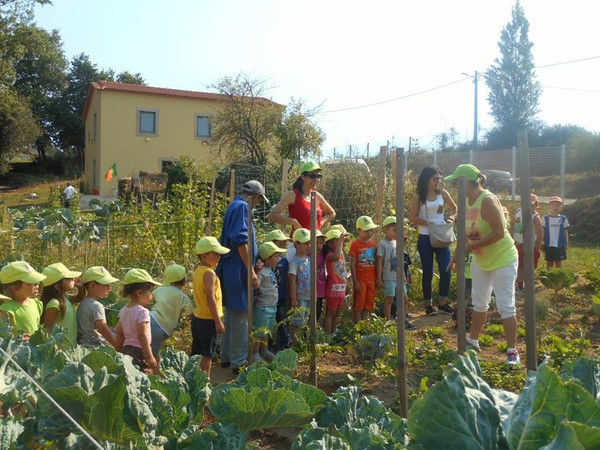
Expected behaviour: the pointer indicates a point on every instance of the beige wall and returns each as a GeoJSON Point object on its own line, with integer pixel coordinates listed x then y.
{"type": "Point", "coordinates": [118, 140]}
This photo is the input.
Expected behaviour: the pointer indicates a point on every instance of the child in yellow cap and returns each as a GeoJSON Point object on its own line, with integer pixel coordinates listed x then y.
{"type": "Point", "coordinates": [299, 279]}
{"type": "Point", "coordinates": [280, 239]}
{"type": "Point", "coordinates": [58, 309]}
{"type": "Point", "coordinates": [133, 328]}
{"type": "Point", "coordinates": [92, 329]}
{"type": "Point", "coordinates": [20, 281]}
{"type": "Point", "coordinates": [208, 310]}
{"type": "Point", "coordinates": [170, 304]}
{"type": "Point", "coordinates": [362, 266]}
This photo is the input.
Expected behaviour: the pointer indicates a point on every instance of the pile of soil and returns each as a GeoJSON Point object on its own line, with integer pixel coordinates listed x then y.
{"type": "Point", "coordinates": [584, 218]}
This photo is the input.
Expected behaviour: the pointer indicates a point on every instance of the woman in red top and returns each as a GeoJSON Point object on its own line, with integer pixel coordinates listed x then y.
{"type": "Point", "coordinates": [297, 201]}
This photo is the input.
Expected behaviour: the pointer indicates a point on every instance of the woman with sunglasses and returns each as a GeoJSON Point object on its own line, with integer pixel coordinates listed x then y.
{"type": "Point", "coordinates": [297, 202]}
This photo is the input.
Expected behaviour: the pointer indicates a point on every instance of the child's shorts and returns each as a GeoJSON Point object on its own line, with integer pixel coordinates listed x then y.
{"type": "Point", "coordinates": [204, 337]}
{"type": "Point", "coordinates": [158, 336]}
{"type": "Point", "coordinates": [137, 354]}
{"type": "Point", "coordinates": [536, 256]}
{"type": "Point", "coordinates": [389, 288]}
{"type": "Point", "coordinates": [264, 317]}
{"type": "Point", "coordinates": [334, 303]}
{"type": "Point", "coordinates": [301, 317]}
{"type": "Point", "coordinates": [365, 298]}
{"type": "Point", "coordinates": [556, 253]}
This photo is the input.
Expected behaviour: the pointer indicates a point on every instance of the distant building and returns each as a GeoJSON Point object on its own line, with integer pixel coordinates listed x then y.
{"type": "Point", "coordinates": [143, 128]}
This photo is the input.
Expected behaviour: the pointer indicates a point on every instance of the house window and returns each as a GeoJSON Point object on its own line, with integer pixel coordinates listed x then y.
{"type": "Point", "coordinates": [202, 127]}
{"type": "Point", "coordinates": [147, 123]}
{"type": "Point", "coordinates": [165, 164]}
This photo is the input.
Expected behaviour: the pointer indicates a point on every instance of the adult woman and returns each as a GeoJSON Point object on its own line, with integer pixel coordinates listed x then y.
{"type": "Point", "coordinates": [428, 207]}
{"type": "Point", "coordinates": [494, 265]}
{"type": "Point", "coordinates": [297, 201]}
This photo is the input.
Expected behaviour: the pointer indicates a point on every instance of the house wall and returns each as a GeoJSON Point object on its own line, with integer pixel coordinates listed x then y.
{"type": "Point", "coordinates": [119, 142]}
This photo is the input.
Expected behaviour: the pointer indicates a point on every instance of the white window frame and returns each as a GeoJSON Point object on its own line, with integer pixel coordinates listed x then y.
{"type": "Point", "coordinates": [139, 112]}
{"type": "Point", "coordinates": [208, 118]}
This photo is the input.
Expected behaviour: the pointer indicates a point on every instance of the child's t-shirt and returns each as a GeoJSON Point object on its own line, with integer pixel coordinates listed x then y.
{"type": "Point", "coordinates": [518, 227]}
{"type": "Point", "coordinates": [25, 316]}
{"type": "Point", "coordinates": [89, 312]}
{"type": "Point", "coordinates": [68, 321]}
{"type": "Point", "coordinates": [300, 267]}
{"type": "Point", "coordinates": [130, 317]}
{"type": "Point", "coordinates": [387, 251]}
{"type": "Point", "coordinates": [201, 309]}
{"type": "Point", "coordinates": [281, 272]}
{"type": "Point", "coordinates": [170, 303]}
{"type": "Point", "coordinates": [266, 294]}
{"type": "Point", "coordinates": [321, 275]}
{"type": "Point", "coordinates": [336, 277]}
{"type": "Point", "coordinates": [554, 229]}
{"type": "Point", "coordinates": [364, 252]}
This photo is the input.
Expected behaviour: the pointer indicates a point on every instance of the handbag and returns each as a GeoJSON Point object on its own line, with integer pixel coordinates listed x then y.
{"type": "Point", "coordinates": [440, 234]}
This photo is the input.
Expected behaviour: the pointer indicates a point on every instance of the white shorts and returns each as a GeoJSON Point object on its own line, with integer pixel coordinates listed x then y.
{"type": "Point", "coordinates": [502, 282]}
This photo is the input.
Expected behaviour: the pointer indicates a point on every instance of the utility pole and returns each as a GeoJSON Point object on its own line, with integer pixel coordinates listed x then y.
{"type": "Point", "coordinates": [475, 107]}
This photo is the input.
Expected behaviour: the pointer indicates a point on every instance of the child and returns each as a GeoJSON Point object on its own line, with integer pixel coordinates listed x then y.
{"type": "Point", "coordinates": [20, 281]}
{"type": "Point", "coordinates": [321, 273]}
{"type": "Point", "coordinates": [362, 267]}
{"type": "Point", "coordinates": [133, 328]}
{"type": "Point", "coordinates": [556, 236]}
{"type": "Point", "coordinates": [517, 234]}
{"type": "Point", "coordinates": [299, 279]}
{"type": "Point", "coordinates": [335, 288]}
{"type": "Point", "coordinates": [208, 310]}
{"type": "Point", "coordinates": [170, 303]}
{"type": "Point", "coordinates": [58, 308]}
{"type": "Point", "coordinates": [265, 299]}
{"type": "Point", "coordinates": [92, 330]}
{"type": "Point", "coordinates": [281, 272]}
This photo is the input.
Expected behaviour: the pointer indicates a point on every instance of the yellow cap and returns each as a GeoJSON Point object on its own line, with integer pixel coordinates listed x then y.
{"type": "Point", "coordinates": [134, 276]}
{"type": "Point", "coordinates": [319, 234]}
{"type": "Point", "coordinates": [388, 220]}
{"type": "Point", "coordinates": [469, 171]}
{"type": "Point", "coordinates": [340, 227]}
{"type": "Point", "coordinates": [309, 166]}
{"type": "Point", "coordinates": [301, 235]}
{"type": "Point", "coordinates": [56, 272]}
{"type": "Point", "coordinates": [277, 235]}
{"type": "Point", "coordinates": [98, 274]}
{"type": "Point", "coordinates": [268, 249]}
{"type": "Point", "coordinates": [209, 244]}
{"type": "Point", "coordinates": [174, 273]}
{"type": "Point", "coordinates": [20, 271]}
{"type": "Point", "coordinates": [332, 234]}
{"type": "Point", "coordinates": [365, 223]}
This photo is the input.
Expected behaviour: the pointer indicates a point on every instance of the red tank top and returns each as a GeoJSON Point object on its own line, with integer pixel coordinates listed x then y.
{"type": "Point", "coordinates": [300, 210]}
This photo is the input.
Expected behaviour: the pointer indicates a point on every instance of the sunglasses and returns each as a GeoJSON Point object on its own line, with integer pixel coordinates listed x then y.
{"type": "Point", "coordinates": [314, 176]}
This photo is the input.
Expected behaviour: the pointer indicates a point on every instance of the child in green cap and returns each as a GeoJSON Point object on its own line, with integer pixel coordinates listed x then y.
{"type": "Point", "coordinates": [20, 282]}
{"type": "Point", "coordinates": [133, 328]}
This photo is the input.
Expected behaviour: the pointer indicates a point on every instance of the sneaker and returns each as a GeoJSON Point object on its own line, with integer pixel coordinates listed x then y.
{"type": "Point", "coordinates": [256, 357]}
{"type": "Point", "coordinates": [224, 365]}
{"type": "Point", "coordinates": [430, 311]}
{"type": "Point", "coordinates": [445, 309]}
{"type": "Point", "coordinates": [267, 355]}
{"type": "Point", "coordinates": [473, 345]}
{"type": "Point", "coordinates": [409, 316]}
{"type": "Point", "coordinates": [410, 326]}
{"type": "Point", "coordinates": [513, 360]}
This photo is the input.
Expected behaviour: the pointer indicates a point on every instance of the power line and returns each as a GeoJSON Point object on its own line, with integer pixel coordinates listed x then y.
{"type": "Point", "coordinates": [568, 62]}
{"type": "Point", "coordinates": [572, 89]}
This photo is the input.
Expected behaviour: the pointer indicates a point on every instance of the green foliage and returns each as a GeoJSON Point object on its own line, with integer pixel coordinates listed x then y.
{"type": "Point", "coordinates": [592, 277]}
{"type": "Point", "coordinates": [486, 340]}
{"type": "Point", "coordinates": [558, 279]}
{"type": "Point", "coordinates": [495, 329]}
{"type": "Point", "coordinates": [561, 350]}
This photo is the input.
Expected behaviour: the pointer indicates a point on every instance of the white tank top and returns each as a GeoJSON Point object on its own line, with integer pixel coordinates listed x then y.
{"type": "Point", "coordinates": [432, 211]}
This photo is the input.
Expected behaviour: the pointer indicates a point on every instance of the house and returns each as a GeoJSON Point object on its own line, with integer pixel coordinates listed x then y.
{"type": "Point", "coordinates": [143, 128]}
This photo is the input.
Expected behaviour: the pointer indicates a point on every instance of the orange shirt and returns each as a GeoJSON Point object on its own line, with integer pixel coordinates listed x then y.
{"type": "Point", "coordinates": [364, 254]}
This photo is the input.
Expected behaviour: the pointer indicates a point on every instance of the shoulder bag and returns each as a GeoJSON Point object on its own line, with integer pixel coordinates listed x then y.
{"type": "Point", "coordinates": [440, 234]}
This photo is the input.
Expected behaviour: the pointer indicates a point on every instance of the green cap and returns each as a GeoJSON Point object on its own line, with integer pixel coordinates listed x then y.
{"type": "Point", "coordinates": [20, 271]}
{"type": "Point", "coordinates": [388, 220]}
{"type": "Point", "coordinates": [174, 273]}
{"type": "Point", "coordinates": [332, 234]}
{"type": "Point", "coordinates": [277, 235]}
{"type": "Point", "coordinates": [365, 223]}
{"type": "Point", "coordinates": [301, 235]}
{"type": "Point", "coordinates": [319, 234]}
{"type": "Point", "coordinates": [210, 244]}
{"type": "Point", "coordinates": [138, 276]}
{"type": "Point", "coordinates": [268, 249]}
{"type": "Point", "coordinates": [469, 171]}
{"type": "Point", "coordinates": [309, 166]}
{"type": "Point", "coordinates": [56, 272]}
{"type": "Point", "coordinates": [98, 274]}
{"type": "Point", "coordinates": [340, 227]}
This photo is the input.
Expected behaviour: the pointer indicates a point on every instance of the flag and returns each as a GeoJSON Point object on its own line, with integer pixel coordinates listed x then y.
{"type": "Point", "coordinates": [112, 172]}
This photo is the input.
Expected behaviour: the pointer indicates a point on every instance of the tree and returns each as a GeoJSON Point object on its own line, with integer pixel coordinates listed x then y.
{"type": "Point", "coordinates": [130, 78]}
{"type": "Point", "coordinates": [514, 93]}
{"type": "Point", "coordinates": [252, 129]}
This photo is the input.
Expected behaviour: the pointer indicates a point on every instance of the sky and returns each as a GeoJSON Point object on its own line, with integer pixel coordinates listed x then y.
{"type": "Point", "coordinates": [406, 59]}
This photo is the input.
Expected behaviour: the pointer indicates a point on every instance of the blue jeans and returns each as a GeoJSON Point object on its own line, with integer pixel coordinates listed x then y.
{"type": "Point", "coordinates": [234, 345]}
{"type": "Point", "coordinates": [426, 252]}
{"type": "Point", "coordinates": [158, 336]}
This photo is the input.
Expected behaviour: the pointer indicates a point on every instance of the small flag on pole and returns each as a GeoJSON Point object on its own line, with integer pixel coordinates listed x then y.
{"type": "Point", "coordinates": [112, 172]}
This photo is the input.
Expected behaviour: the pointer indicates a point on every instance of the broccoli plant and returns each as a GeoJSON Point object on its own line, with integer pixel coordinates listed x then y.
{"type": "Point", "coordinates": [558, 279]}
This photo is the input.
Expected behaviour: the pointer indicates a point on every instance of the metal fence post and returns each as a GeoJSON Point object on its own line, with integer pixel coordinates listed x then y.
{"type": "Point", "coordinates": [562, 170]}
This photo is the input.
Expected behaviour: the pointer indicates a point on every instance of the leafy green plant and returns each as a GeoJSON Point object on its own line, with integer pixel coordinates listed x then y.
{"type": "Point", "coordinates": [558, 279]}
{"type": "Point", "coordinates": [596, 304]}
{"type": "Point", "coordinates": [592, 276]}
{"type": "Point", "coordinates": [486, 340]}
{"type": "Point", "coordinates": [542, 308]}
{"type": "Point", "coordinates": [561, 350]}
{"type": "Point", "coordinates": [495, 329]}
{"type": "Point", "coordinates": [565, 312]}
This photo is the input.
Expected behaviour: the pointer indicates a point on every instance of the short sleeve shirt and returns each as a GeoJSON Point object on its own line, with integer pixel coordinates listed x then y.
{"type": "Point", "coordinates": [170, 303]}
{"type": "Point", "coordinates": [25, 316]}
{"type": "Point", "coordinates": [89, 312]}
{"type": "Point", "coordinates": [301, 268]}
{"type": "Point", "coordinates": [321, 275]}
{"type": "Point", "coordinates": [266, 294]}
{"type": "Point", "coordinates": [130, 317]}
{"type": "Point", "coordinates": [68, 321]}
{"type": "Point", "coordinates": [554, 228]}
{"type": "Point", "coordinates": [387, 251]}
{"type": "Point", "coordinates": [281, 271]}
{"type": "Point", "coordinates": [364, 252]}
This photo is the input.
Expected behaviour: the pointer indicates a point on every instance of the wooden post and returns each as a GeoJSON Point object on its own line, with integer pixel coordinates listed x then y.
{"type": "Point", "coordinates": [528, 273]}
{"type": "Point", "coordinates": [211, 206]}
{"type": "Point", "coordinates": [284, 181]}
{"type": "Point", "coordinates": [380, 190]}
{"type": "Point", "coordinates": [313, 289]}
{"type": "Point", "coordinates": [232, 185]}
{"type": "Point", "coordinates": [249, 278]}
{"type": "Point", "coordinates": [461, 304]}
{"type": "Point", "coordinates": [393, 159]}
{"type": "Point", "coordinates": [400, 282]}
